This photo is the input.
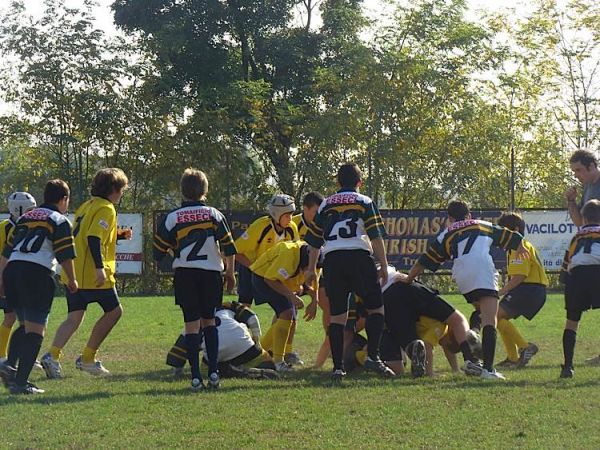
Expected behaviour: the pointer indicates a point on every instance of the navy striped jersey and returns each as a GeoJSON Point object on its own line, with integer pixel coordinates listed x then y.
{"type": "Point", "coordinates": [467, 243]}
{"type": "Point", "coordinates": [196, 234]}
{"type": "Point", "coordinates": [42, 236]}
{"type": "Point", "coordinates": [584, 249]}
{"type": "Point", "coordinates": [346, 220]}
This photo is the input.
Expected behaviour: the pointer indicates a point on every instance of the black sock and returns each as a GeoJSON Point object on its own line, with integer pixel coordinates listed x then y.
{"type": "Point", "coordinates": [466, 352]}
{"type": "Point", "coordinates": [374, 329]}
{"type": "Point", "coordinates": [14, 346]}
{"type": "Point", "coordinates": [569, 339]}
{"type": "Point", "coordinates": [336, 342]}
{"type": "Point", "coordinates": [488, 343]}
{"type": "Point", "coordinates": [193, 348]}
{"type": "Point", "coordinates": [475, 320]}
{"type": "Point", "coordinates": [211, 344]}
{"type": "Point", "coordinates": [30, 349]}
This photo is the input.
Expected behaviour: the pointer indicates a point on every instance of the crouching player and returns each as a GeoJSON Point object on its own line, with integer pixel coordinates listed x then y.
{"type": "Point", "coordinates": [197, 234]}
{"type": "Point", "coordinates": [581, 272]}
{"type": "Point", "coordinates": [41, 237]}
{"type": "Point", "coordinates": [18, 204]}
{"type": "Point", "coordinates": [467, 243]}
{"type": "Point", "coordinates": [277, 277]}
{"type": "Point", "coordinates": [240, 353]}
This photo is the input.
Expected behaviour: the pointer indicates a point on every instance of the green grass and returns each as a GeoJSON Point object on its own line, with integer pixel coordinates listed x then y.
{"type": "Point", "coordinates": [140, 406]}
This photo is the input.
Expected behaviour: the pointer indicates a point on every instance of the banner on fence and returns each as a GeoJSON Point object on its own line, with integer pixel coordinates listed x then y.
{"type": "Point", "coordinates": [130, 252]}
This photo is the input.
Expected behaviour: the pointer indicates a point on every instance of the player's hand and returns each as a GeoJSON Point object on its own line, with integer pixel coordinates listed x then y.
{"type": "Point", "coordinates": [100, 277]}
{"type": "Point", "coordinates": [571, 194]}
{"type": "Point", "coordinates": [310, 276]}
{"type": "Point", "coordinates": [297, 301]}
{"type": "Point", "coordinates": [311, 311]}
{"type": "Point", "coordinates": [383, 275]}
{"type": "Point", "coordinates": [401, 277]}
{"type": "Point", "coordinates": [522, 252]}
{"type": "Point", "coordinates": [229, 281]}
{"type": "Point", "coordinates": [72, 286]}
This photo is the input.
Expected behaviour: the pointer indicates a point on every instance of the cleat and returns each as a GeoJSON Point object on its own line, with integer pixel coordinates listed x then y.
{"type": "Point", "coordinates": [283, 367]}
{"type": "Point", "coordinates": [28, 389]}
{"type": "Point", "coordinates": [51, 366]}
{"type": "Point", "coordinates": [594, 361]}
{"type": "Point", "coordinates": [197, 385]}
{"type": "Point", "coordinates": [377, 365]}
{"type": "Point", "coordinates": [338, 375]}
{"type": "Point", "coordinates": [566, 371]}
{"type": "Point", "coordinates": [95, 368]}
{"type": "Point", "coordinates": [491, 375]}
{"type": "Point", "coordinates": [293, 359]}
{"type": "Point", "coordinates": [508, 364]}
{"type": "Point", "coordinates": [418, 357]}
{"type": "Point", "coordinates": [7, 373]}
{"type": "Point", "coordinates": [526, 354]}
{"type": "Point", "coordinates": [38, 365]}
{"type": "Point", "coordinates": [177, 372]}
{"type": "Point", "coordinates": [473, 369]}
{"type": "Point", "coordinates": [213, 381]}
{"type": "Point", "coordinates": [474, 341]}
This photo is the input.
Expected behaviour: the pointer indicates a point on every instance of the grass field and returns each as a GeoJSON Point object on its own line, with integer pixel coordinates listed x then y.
{"type": "Point", "coordinates": [140, 406]}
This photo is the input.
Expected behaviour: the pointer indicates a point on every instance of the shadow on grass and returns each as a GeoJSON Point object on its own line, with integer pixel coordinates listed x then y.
{"type": "Point", "coordinates": [51, 400]}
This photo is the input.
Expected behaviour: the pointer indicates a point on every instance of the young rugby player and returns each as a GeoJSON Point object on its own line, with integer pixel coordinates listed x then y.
{"type": "Point", "coordinates": [523, 295]}
{"type": "Point", "coordinates": [349, 228]}
{"type": "Point", "coordinates": [581, 271]}
{"type": "Point", "coordinates": [18, 204]}
{"type": "Point", "coordinates": [261, 235]}
{"type": "Point", "coordinates": [277, 278]}
{"type": "Point", "coordinates": [240, 353]}
{"type": "Point", "coordinates": [197, 234]}
{"type": "Point", "coordinates": [40, 238]}
{"type": "Point", "coordinates": [96, 234]}
{"type": "Point", "coordinates": [467, 243]}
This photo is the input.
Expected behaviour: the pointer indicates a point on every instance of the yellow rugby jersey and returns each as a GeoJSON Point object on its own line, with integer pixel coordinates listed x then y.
{"type": "Point", "coordinates": [281, 263]}
{"type": "Point", "coordinates": [96, 217]}
{"type": "Point", "coordinates": [301, 224]}
{"type": "Point", "coordinates": [5, 227]}
{"type": "Point", "coordinates": [261, 236]}
{"type": "Point", "coordinates": [430, 330]}
{"type": "Point", "coordinates": [532, 268]}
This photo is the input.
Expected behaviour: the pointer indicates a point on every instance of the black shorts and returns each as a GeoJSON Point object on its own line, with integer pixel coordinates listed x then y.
{"type": "Point", "coordinates": [348, 271]}
{"type": "Point", "coordinates": [30, 290]}
{"type": "Point", "coordinates": [525, 300]}
{"type": "Point", "coordinates": [581, 291]}
{"type": "Point", "coordinates": [391, 346]}
{"type": "Point", "coordinates": [263, 293]}
{"type": "Point", "coordinates": [478, 294]}
{"type": "Point", "coordinates": [79, 301]}
{"type": "Point", "coordinates": [198, 292]}
{"type": "Point", "coordinates": [244, 287]}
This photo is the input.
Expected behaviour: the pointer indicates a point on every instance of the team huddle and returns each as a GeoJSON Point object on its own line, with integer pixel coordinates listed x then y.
{"type": "Point", "coordinates": [333, 252]}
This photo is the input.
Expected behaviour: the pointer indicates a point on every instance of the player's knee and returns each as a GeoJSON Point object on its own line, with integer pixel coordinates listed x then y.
{"type": "Point", "coordinates": [75, 318]}
{"type": "Point", "coordinates": [9, 319]}
{"type": "Point", "coordinates": [116, 313]}
{"type": "Point", "coordinates": [288, 314]}
{"type": "Point", "coordinates": [379, 310]}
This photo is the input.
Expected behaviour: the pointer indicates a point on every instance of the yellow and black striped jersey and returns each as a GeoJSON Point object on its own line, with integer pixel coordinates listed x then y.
{"type": "Point", "coordinates": [584, 249]}
{"type": "Point", "coordinates": [197, 234]}
{"type": "Point", "coordinates": [42, 236]}
{"type": "Point", "coordinates": [346, 220]}
{"type": "Point", "coordinates": [301, 224]}
{"type": "Point", "coordinates": [261, 235]}
{"type": "Point", "coordinates": [5, 228]}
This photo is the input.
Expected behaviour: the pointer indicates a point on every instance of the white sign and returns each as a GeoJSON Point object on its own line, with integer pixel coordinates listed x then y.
{"type": "Point", "coordinates": [550, 232]}
{"type": "Point", "coordinates": [129, 251]}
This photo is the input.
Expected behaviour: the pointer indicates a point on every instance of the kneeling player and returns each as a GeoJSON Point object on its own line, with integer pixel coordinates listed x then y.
{"type": "Point", "coordinates": [581, 271]}
{"type": "Point", "coordinates": [277, 276]}
{"type": "Point", "coordinates": [240, 353]}
{"type": "Point", "coordinates": [404, 305]}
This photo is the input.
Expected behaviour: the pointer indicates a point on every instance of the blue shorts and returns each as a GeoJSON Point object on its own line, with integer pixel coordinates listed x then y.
{"type": "Point", "coordinates": [264, 294]}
